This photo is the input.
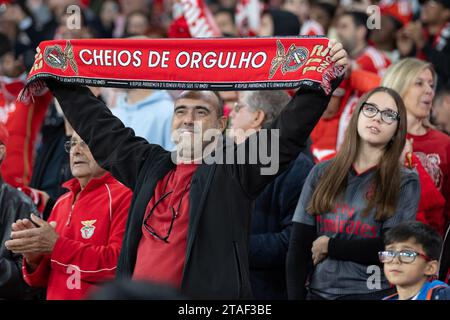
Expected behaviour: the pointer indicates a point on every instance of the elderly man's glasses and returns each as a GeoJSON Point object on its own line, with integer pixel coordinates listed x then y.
{"type": "Point", "coordinates": [405, 256]}
{"type": "Point", "coordinates": [388, 116]}
{"type": "Point", "coordinates": [238, 106]}
{"type": "Point", "coordinates": [69, 145]}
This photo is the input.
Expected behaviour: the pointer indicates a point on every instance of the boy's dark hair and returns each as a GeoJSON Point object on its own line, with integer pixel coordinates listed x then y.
{"type": "Point", "coordinates": [359, 19]}
{"type": "Point", "coordinates": [423, 234]}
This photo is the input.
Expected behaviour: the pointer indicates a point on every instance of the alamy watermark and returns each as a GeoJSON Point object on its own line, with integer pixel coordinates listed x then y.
{"type": "Point", "coordinates": [74, 280]}
{"type": "Point", "coordinates": [374, 19]}
{"type": "Point", "coordinates": [375, 277]}
{"type": "Point", "coordinates": [73, 21]}
{"type": "Point", "coordinates": [212, 147]}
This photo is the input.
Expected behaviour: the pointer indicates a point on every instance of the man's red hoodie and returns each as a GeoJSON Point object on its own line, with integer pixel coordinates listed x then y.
{"type": "Point", "coordinates": [90, 238]}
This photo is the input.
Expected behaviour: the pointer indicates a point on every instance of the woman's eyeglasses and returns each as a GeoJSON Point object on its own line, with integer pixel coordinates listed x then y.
{"type": "Point", "coordinates": [405, 256]}
{"type": "Point", "coordinates": [387, 116]}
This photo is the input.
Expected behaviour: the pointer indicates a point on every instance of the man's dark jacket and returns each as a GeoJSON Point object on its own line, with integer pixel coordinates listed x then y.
{"type": "Point", "coordinates": [14, 205]}
{"type": "Point", "coordinates": [444, 267]}
{"type": "Point", "coordinates": [221, 195]}
{"type": "Point", "coordinates": [271, 230]}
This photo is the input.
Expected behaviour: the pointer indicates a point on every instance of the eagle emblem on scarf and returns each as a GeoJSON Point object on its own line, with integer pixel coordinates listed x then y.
{"type": "Point", "coordinates": [289, 61]}
{"type": "Point", "coordinates": [58, 58]}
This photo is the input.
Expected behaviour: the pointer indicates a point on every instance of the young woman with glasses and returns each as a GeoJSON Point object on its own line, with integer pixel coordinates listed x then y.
{"type": "Point", "coordinates": [347, 204]}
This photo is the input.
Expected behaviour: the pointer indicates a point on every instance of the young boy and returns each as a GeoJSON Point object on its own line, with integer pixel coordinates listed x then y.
{"type": "Point", "coordinates": [410, 260]}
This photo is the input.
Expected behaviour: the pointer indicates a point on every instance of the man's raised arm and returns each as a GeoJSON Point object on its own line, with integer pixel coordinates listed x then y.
{"type": "Point", "coordinates": [294, 125]}
{"type": "Point", "coordinates": [114, 146]}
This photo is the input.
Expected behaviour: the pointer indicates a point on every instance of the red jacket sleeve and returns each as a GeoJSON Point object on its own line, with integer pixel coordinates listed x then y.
{"type": "Point", "coordinates": [431, 204]}
{"type": "Point", "coordinates": [95, 262]}
{"type": "Point", "coordinates": [446, 190]}
{"type": "Point", "coordinates": [364, 81]}
{"type": "Point", "coordinates": [39, 277]}
{"type": "Point", "coordinates": [23, 126]}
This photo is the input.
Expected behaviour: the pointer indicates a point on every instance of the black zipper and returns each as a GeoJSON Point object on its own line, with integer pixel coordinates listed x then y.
{"type": "Point", "coordinates": [239, 269]}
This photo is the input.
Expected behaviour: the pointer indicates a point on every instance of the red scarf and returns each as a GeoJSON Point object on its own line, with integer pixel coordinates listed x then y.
{"type": "Point", "coordinates": [189, 64]}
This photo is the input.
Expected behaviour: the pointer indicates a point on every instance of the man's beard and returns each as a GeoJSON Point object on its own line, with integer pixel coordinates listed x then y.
{"type": "Point", "coordinates": [190, 146]}
{"type": "Point", "coordinates": [348, 44]}
{"type": "Point", "coordinates": [194, 142]}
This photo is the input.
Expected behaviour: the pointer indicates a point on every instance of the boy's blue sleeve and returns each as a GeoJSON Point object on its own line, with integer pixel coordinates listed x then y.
{"type": "Point", "coordinates": [441, 294]}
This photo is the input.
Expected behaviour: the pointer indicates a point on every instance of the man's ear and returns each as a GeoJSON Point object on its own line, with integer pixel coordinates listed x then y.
{"type": "Point", "coordinates": [258, 120]}
{"type": "Point", "coordinates": [432, 268]}
{"type": "Point", "coordinates": [446, 101]}
{"type": "Point", "coordinates": [222, 123]}
{"type": "Point", "coordinates": [446, 14]}
{"type": "Point", "coordinates": [2, 153]}
{"type": "Point", "coordinates": [362, 32]}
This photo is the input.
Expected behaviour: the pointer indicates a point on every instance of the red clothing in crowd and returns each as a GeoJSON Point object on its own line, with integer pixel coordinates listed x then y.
{"type": "Point", "coordinates": [157, 260]}
{"type": "Point", "coordinates": [373, 60]}
{"type": "Point", "coordinates": [324, 139]}
{"type": "Point", "coordinates": [312, 28]}
{"type": "Point", "coordinates": [90, 232]}
{"type": "Point", "coordinates": [402, 10]}
{"type": "Point", "coordinates": [23, 121]}
{"type": "Point", "coordinates": [432, 202]}
{"type": "Point", "coordinates": [433, 151]}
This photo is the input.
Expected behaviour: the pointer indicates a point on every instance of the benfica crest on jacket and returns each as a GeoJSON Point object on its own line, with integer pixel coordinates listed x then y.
{"type": "Point", "coordinates": [88, 230]}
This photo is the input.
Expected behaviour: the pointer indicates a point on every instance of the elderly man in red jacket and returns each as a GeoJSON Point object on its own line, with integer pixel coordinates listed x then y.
{"type": "Point", "coordinates": [79, 246]}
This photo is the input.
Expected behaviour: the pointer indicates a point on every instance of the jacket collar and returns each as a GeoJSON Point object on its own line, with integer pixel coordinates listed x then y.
{"type": "Point", "coordinates": [74, 185]}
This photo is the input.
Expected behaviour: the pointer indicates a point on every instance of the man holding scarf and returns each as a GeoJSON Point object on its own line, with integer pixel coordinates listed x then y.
{"type": "Point", "coordinates": [189, 220]}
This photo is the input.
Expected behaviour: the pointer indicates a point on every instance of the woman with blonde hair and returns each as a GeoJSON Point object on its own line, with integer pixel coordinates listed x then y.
{"type": "Point", "coordinates": [415, 81]}
{"type": "Point", "coordinates": [349, 202]}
